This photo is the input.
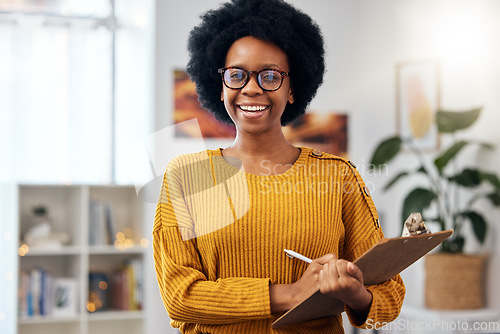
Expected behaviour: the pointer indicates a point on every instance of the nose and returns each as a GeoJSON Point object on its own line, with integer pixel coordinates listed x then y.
{"type": "Point", "coordinates": [252, 87]}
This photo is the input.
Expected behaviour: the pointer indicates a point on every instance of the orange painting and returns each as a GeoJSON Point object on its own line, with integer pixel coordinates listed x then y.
{"type": "Point", "coordinates": [326, 132]}
{"type": "Point", "coordinates": [186, 107]}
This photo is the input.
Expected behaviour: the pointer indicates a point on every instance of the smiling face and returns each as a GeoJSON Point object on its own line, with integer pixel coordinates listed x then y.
{"type": "Point", "coordinates": [253, 110]}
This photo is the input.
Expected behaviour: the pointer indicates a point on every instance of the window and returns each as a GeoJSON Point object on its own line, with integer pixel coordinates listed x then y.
{"type": "Point", "coordinates": [75, 88]}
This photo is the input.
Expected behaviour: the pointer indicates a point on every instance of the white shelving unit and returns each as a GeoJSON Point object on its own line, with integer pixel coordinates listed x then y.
{"type": "Point", "coordinates": [68, 208]}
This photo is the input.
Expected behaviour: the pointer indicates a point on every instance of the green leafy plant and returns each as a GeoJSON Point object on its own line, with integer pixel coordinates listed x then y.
{"type": "Point", "coordinates": [39, 210]}
{"type": "Point", "coordinates": [445, 180]}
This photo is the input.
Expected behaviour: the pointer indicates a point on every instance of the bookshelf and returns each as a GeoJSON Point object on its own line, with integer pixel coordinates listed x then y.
{"type": "Point", "coordinates": [62, 275]}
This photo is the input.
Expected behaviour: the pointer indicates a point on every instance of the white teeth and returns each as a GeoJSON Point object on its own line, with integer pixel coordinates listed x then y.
{"type": "Point", "coordinates": [253, 108]}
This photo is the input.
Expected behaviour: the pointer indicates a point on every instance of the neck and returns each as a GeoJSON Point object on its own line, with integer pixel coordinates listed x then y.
{"type": "Point", "coordinates": [253, 145]}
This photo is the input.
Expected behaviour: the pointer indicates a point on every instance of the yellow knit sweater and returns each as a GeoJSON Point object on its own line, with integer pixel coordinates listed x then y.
{"type": "Point", "coordinates": [219, 236]}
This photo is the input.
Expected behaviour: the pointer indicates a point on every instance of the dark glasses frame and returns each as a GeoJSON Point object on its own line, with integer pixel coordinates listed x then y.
{"type": "Point", "coordinates": [223, 70]}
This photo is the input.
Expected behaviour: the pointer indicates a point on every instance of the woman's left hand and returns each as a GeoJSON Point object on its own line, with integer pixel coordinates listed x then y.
{"type": "Point", "coordinates": [344, 280]}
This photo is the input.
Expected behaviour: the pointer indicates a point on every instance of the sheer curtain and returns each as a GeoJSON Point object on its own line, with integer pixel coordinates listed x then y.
{"type": "Point", "coordinates": [61, 120]}
{"type": "Point", "coordinates": [55, 98]}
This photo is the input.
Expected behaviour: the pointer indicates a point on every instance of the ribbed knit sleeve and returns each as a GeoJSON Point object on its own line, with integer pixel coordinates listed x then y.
{"type": "Point", "coordinates": [362, 232]}
{"type": "Point", "coordinates": [188, 296]}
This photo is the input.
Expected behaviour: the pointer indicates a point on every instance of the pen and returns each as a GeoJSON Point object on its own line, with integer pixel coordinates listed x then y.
{"type": "Point", "coordinates": [292, 254]}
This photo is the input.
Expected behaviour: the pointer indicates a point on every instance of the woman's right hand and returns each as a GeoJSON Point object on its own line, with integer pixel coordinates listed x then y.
{"type": "Point", "coordinates": [309, 283]}
{"type": "Point", "coordinates": [286, 296]}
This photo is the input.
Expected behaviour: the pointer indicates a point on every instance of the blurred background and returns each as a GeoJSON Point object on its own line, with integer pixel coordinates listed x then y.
{"type": "Point", "coordinates": [88, 99]}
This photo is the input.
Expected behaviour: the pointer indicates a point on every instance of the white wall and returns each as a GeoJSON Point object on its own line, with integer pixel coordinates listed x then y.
{"type": "Point", "coordinates": [364, 41]}
{"type": "Point", "coordinates": [8, 258]}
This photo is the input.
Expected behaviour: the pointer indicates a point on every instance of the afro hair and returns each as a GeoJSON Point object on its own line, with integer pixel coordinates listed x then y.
{"type": "Point", "coordinates": [269, 20]}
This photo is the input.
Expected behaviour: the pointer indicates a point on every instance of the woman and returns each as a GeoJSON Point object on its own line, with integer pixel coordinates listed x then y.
{"type": "Point", "coordinates": [225, 216]}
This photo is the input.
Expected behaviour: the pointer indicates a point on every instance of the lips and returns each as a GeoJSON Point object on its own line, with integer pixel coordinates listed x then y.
{"type": "Point", "coordinates": [253, 111]}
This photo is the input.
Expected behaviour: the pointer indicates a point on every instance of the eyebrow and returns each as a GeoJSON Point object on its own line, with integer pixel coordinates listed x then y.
{"type": "Point", "coordinates": [264, 66]}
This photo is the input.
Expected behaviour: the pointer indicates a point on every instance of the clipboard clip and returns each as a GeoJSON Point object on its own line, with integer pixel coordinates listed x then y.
{"type": "Point", "coordinates": [414, 225]}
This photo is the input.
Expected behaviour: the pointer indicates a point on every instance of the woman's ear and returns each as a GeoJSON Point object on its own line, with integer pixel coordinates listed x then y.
{"type": "Point", "coordinates": [290, 97]}
{"type": "Point", "coordinates": [222, 95]}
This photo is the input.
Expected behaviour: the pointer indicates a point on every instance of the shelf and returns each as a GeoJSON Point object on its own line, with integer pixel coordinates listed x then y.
{"type": "Point", "coordinates": [109, 249]}
{"type": "Point", "coordinates": [47, 320]}
{"type": "Point", "coordinates": [60, 251]}
{"type": "Point", "coordinates": [116, 315]}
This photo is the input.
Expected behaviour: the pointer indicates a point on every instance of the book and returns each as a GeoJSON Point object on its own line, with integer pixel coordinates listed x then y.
{"type": "Point", "coordinates": [98, 292]}
{"type": "Point", "coordinates": [127, 286]}
{"type": "Point", "coordinates": [101, 223]}
{"type": "Point", "coordinates": [380, 263]}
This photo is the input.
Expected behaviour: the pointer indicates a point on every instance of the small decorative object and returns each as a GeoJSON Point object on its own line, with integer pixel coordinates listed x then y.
{"type": "Point", "coordinates": [40, 235]}
{"type": "Point", "coordinates": [40, 215]}
{"type": "Point", "coordinates": [414, 225]}
{"type": "Point", "coordinates": [454, 280]}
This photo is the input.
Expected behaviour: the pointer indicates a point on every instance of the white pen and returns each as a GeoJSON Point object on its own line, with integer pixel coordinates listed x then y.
{"type": "Point", "coordinates": [292, 254]}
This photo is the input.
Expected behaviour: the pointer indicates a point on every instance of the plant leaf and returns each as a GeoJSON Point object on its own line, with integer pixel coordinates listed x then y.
{"type": "Point", "coordinates": [453, 245]}
{"type": "Point", "coordinates": [494, 198]}
{"type": "Point", "coordinates": [451, 121]}
{"type": "Point", "coordinates": [478, 224]}
{"type": "Point", "coordinates": [467, 178]}
{"type": "Point", "coordinates": [385, 151]}
{"type": "Point", "coordinates": [449, 154]}
{"type": "Point", "coordinates": [488, 146]}
{"type": "Point", "coordinates": [416, 201]}
{"type": "Point", "coordinates": [395, 179]}
{"type": "Point", "coordinates": [422, 169]}
{"type": "Point", "coordinates": [491, 178]}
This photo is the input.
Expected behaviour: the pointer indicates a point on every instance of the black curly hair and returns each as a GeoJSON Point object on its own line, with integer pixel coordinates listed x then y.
{"type": "Point", "coordinates": [271, 20]}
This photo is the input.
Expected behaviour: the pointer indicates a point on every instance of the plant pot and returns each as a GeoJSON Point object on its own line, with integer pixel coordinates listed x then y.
{"type": "Point", "coordinates": [454, 281]}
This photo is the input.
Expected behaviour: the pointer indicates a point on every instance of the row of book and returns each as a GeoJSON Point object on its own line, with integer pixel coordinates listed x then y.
{"type": "Point", "coordinates": [121, 289]}
{"type": "Point", "coordinates": [41, 294]}
{"type": "Point", "coordinates": [101, 223]}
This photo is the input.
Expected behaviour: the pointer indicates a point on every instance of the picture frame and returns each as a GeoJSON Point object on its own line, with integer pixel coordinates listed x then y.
{"type": "Point", "coordinates": [65, 297]}
{"type": "Point", "coordinates": [323, 131]}
{"type": "Point", "coordinates": [187, 107]}
{"type": "Point", "coordinates": [417, 100]}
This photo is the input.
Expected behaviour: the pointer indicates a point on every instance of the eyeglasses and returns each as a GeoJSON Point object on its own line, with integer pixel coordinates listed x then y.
{"type": "Point", "coordinates": [237, 78]}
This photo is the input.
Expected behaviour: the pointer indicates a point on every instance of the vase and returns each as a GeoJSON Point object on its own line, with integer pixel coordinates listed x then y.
{"type": "Point", "coordinates": [454, 281]}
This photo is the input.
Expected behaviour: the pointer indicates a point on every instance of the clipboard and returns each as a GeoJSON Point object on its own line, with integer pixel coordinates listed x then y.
{"type": "Point", "coordinates": [380, 263]}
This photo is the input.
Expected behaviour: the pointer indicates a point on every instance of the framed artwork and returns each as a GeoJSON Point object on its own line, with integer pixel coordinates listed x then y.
{"type": "Point", "coordinates": [186, 107]}
{"type": "Point", "coordinates": [65, 297]}
{"type": "Point", "coordinates": [326, 132]}
{"type": "Point", "coordinates": [417, 100]}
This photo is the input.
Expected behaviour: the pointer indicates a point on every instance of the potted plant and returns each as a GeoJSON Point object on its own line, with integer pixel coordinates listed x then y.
{"type": "Point", "coordinates": [449, 197]}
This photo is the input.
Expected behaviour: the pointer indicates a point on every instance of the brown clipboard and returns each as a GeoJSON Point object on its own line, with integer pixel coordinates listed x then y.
{"type": "Point", "coordinates": [383, 261]}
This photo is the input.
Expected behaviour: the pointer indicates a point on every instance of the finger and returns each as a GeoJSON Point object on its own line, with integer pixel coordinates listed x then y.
{"type": "Point", "coordinates": [322, 275]}
{"type": "Point", "coordinates": [332, 271]}
{"type": "Point", "coordinates": [342, 268]}
{"type": "Point", "coordinates": [355, 271]}
{"type": "Point", "coordinates": [349, 268]}
{"type": "Point", "coordinates": [328, 277]}
{"type": "Point", "coordinates": [326, 258]}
